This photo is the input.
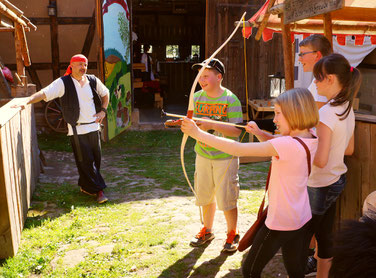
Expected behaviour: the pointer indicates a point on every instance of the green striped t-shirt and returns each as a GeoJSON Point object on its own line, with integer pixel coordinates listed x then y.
{"type": "Point", "coordinates": [226, 108]}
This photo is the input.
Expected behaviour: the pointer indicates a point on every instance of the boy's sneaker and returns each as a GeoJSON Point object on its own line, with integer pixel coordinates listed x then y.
{"type": "Point", "coordinates": [232, 242]}
{"type": "Point", "coordinates": [201, 238]}
{"type": "Point", "coordinates": [87, 193]}
{"type": "Point", "coordinates": [101, 198]}
{"type": "Point", "coordinates": [311, 267]}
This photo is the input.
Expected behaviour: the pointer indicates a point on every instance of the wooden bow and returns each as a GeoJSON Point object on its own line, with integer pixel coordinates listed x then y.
{"type": "Point", "coordinates": [191, 104]}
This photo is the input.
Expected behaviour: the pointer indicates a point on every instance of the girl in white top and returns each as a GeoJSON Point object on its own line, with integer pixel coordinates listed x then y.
{"type": "Point", "coordinates": [289, 211]}
{"type": "Point", "coordinates": [339, 83]}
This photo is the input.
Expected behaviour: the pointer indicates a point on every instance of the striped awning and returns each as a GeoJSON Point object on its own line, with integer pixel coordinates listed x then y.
{"type": "Point", "coordinates": [357, 18]}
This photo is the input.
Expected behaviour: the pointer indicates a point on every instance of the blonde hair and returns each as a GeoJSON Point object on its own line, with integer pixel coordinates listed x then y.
{"type": "Point", "coordinates": [299, 108]}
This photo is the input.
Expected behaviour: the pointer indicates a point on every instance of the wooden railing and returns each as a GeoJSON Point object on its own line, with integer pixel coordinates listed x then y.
{"type": "Point", "coordinates": [19, 170]}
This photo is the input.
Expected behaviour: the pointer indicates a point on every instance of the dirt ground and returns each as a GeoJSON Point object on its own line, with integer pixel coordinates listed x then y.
{"type": "Point", "coordinates": [61, 168]}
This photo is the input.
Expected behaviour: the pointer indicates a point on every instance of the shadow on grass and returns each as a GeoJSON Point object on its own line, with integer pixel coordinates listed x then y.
{"type": "Point", "coordinates": [50, 201]}
{"type": "Point", "coordinates": [184, 266]}
{"type": "Point", "coordinates": [211, 268]}
{"type": "Point", "coordinates": [2, 262]}
{"type": "Point", "coordinates": [234, 273]}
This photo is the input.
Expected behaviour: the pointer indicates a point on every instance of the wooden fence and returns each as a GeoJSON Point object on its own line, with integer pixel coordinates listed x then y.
{"type": "Point", "coordinates": [19, 170]}
{"type": "Point", "coordinates": [361, 175]}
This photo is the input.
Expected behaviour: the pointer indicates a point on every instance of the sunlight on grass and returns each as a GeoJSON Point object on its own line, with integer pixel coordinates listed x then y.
{"type": "Point", "coordinates": [141, 237]}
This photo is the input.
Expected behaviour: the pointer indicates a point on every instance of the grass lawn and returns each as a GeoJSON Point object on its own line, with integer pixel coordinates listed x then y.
{"type": "Point", "coordinates": [145, 228]}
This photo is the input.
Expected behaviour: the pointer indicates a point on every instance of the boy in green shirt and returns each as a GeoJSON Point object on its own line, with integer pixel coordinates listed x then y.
{"type": "Point", "coordinates": [216, 177]}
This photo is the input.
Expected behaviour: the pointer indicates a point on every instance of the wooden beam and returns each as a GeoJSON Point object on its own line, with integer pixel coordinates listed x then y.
{"type": "Point", "coordinates": [328, 33]}
{"type": "Point", "coordinates": [24, 49]}
{"type": "Point", "coordinates": [62, 20]}
{"type": "Point", "coordinates": [7, 12]}
{"type": "Point", "coordinates": [367, 66]}
{"type": "Point", "coordinates": [6, 21]}
{"type": "Point", "coordinates": [287, 55]}
{"type": "Point", "coordinates": [12, 7]}
{"type": "Point", "coordinates": [7, 29]}
{"type": "Point", "coordinates": [48, 66]}
{"type": "Point", "coordinates": [264, 21]}
{"type": "Point", "coordinates": [336, 29]}
{"type": "Point", "coordinates": [89, 37]}
{"type": "Point", "coordinates": [357, 14]}
{"type": "Point", "coordinates": [31, 25]}
{"type": "Point", "coordinates": [353, 14]}
{"type": "Point", "coordinates": [54, 46]}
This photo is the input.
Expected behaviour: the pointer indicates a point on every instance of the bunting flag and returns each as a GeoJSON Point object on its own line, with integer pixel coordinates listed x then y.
{"type": "Point", "coordinates": [108, 3]}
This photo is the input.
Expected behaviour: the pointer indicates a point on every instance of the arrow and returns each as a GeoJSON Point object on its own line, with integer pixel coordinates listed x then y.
{"type": "Point", "coordinates": [238, 125]}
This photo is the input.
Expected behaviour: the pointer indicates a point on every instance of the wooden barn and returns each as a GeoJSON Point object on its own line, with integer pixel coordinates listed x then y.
{"type": "Point", "coordinates": [180, 32]}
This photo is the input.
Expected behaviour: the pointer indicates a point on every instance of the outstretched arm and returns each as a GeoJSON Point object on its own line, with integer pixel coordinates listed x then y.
{"type": "Point", "coordinates": [37, 97]}
{"type": "Point", "coordinates": [261, 135]}
{"type": "Point", "coordinates": [226, 145]}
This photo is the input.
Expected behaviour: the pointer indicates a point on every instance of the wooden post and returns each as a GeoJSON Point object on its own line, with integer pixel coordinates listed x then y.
{"type": "Point", "coordinates": [328, 33]}
{"type": "Point", "coordinates": [287, 55]}
{"type": "Point", "coordinates": [18, 46]}
{"type": "Point", "coordinates": [99, 27]}
{"type": "Point", "coordinates": [54, 44]}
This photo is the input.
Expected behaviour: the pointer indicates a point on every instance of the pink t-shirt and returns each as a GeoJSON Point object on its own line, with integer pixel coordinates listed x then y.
{"type": "Point", "coordinates": [289, 207]}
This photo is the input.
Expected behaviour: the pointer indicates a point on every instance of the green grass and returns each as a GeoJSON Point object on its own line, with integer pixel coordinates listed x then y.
{"type": "Point", "coordinates": [146, 237]}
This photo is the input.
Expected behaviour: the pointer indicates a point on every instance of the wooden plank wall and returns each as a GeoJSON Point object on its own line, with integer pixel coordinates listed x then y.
{"type": "Point", "coordinates": [263, 58]}
{"type": "Point", "coordinates": [180, 77]}
{"type": "Point", "coordinates": [19, 170]}
{"type": "Point", "coordinates": [361, 175]}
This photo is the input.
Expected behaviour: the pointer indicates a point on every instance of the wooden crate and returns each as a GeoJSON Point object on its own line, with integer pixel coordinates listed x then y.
{"type": "Point", "coordinates": [19, 170]}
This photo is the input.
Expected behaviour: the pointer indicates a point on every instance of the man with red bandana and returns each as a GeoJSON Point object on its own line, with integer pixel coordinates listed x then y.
{"type": "Point", "coordinates": [84, 100]}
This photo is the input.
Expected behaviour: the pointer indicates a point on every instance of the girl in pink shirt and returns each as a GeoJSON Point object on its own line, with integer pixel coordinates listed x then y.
{"type": "Point", "coordinates": [289, 210]}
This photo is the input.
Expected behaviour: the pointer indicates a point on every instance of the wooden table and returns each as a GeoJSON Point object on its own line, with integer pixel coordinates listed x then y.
{"type": "Point", "coordinates": [260, 105]}
{"type": "Point", "coordinates": [257, 106]}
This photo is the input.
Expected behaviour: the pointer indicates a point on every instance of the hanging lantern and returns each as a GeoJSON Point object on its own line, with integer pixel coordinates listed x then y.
{"type": "Point", "coordinates": [52, 9]}
{"type": "Point", "coordinates": [277, 84]}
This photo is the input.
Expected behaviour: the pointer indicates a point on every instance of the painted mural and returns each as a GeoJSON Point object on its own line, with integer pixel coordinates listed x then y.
{"type": "Point", "coordinates": [116, 29]}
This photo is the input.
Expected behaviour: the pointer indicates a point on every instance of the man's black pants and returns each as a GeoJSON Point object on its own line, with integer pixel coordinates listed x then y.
{"type": "Point", "coordinates": [88, 169]}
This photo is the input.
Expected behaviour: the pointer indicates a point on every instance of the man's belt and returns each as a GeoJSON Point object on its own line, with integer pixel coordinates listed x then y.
{"type": "Point", "coordinates": [78, 124]}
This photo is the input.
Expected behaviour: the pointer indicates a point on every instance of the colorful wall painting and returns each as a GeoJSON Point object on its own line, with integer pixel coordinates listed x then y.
{"type": "Point", "coordinates": [117, 51]}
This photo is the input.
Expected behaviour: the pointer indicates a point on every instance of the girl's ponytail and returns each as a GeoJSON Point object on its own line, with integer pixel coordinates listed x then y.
{"type": "Point", "coordinates": [348, 77]}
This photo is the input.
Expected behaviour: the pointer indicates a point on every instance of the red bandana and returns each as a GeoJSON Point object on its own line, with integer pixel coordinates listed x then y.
{"type": "Point", "coordinates": [75, 58]}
